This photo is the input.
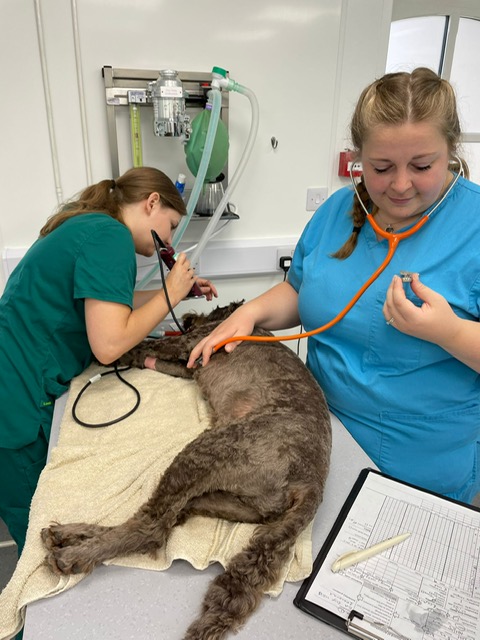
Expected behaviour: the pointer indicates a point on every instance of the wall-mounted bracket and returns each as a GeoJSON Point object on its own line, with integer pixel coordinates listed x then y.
{"type": "Point", "coordinates": [126, 86]}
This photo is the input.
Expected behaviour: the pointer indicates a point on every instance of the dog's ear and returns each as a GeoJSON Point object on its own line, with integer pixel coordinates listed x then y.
{"type": "Point", "coordinates": [233, 306]}
{"type": "Point", "coordinates": [221, 313]}
{"type": "Point", "coordinates": [191, 321]}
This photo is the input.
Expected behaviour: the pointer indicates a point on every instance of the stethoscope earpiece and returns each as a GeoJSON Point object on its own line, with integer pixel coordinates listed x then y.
{"type": "Point", "coordinates": [394, 238]}
{"type": "Point", "coordinates": [388, 233]}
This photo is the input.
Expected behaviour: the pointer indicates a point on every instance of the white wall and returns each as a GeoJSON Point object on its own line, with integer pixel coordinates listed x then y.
{"type": "Point", "coordinates": [306, 61]}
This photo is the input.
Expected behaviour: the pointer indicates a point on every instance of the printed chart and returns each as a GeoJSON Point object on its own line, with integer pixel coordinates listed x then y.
{"type": "Point", "coordinates": [427, 587]}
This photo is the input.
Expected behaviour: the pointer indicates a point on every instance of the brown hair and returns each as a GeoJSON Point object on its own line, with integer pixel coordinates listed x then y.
{"type": "Point", "coordinates": [109, 196]}
{"type": "Point", "coordinates": [395, 99]}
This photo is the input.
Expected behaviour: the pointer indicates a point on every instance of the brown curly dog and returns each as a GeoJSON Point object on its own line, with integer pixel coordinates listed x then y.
{"type": "Point", "coordinates": [265, 460]}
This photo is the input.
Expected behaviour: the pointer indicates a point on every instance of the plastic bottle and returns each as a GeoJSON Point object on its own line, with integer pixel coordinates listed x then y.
{"type": "Point", "coordinates": [180, 183]}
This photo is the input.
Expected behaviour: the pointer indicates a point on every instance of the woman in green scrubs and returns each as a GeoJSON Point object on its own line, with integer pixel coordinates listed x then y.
{"type": "Point", "coordinates": [71, 298]}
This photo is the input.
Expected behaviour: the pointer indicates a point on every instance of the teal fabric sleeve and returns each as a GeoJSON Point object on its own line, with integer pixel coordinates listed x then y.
{"type": "Point", "coordinates": [105, 268]}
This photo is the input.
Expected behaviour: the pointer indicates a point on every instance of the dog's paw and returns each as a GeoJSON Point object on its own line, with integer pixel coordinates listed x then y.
{"type": "Point", "coordinates": [70, 560]}
{"type": "Point", "coordinates": [71, 547]}
{"type": "Point", "coordinates": [67, 535]}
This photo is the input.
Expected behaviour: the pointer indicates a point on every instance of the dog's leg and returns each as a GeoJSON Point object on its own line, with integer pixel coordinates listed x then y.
{"type": "Point", "coordinates": [223, 504]}
{"type": "Point", "coordinates": [79, 548]}
{"type": "Point", "coordinates": [152, 354]}
{"type": "Point", "coordinates": [234, 595]}
{"type": "Point", "coordinates": [173, 349]}
{"type": "Point", "coordinates": [175, 369]}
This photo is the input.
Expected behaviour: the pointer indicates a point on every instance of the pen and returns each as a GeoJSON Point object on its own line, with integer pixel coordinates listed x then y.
{"type": "Point", "coordinates": [353, 557]}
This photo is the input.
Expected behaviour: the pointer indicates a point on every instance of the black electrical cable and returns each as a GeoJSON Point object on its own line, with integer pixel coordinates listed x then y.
{"type": "Point", "coordinates": [285, 264]}
{"type": "Point", "coordinates": [158, 248]}
{"type": "Point", "coordinates": [95, 379]}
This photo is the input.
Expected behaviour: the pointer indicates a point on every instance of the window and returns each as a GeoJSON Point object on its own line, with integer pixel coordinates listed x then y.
{"type": "Point", "coordinates": [416, 42]}
{"type": "Point", "coordinates": [465, 72]}
{"type": "Point", "coordinates": [447, 41]}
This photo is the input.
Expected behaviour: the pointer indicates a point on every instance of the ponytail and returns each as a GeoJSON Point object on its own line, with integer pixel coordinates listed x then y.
{"type": "Point", "coordinates": [109, 196]}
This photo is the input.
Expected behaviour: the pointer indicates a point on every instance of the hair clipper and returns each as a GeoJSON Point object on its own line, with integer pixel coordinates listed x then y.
{"type": "Point", "coordinates": [167, 255]}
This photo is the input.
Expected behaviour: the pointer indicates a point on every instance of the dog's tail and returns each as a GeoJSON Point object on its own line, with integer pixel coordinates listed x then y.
{"type": "Point", "coordinates": [235, 594]}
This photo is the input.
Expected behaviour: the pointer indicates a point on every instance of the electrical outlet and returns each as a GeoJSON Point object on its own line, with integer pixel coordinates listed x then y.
{"type": "Point", "coordinates": [285, 263]}
{"type": "Point", "coordinates": [284, 252]}
{"type": "Point", "coordinates": [315, 197]}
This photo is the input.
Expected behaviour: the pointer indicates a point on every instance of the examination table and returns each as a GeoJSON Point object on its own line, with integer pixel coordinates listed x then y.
{"type": "Point", "coordinates": [120, 603]}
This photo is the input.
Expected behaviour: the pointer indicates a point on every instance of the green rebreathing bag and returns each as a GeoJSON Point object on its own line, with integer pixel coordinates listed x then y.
{"type": "Point", "coordinates": [195, 145]}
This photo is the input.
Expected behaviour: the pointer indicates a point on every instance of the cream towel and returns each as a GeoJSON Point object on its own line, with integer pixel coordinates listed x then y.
{"type": "Point", "coordinates": [103, 475]}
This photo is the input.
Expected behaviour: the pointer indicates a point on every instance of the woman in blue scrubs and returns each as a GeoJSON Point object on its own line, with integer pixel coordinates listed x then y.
{"type": "Point", "coordinates": [71, 298]}
{"type": "Point", "coordinates": [401, 370]}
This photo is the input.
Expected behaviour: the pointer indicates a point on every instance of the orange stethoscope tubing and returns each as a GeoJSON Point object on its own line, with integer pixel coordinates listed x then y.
{"type": "Point", "coordinates": [393, 240]}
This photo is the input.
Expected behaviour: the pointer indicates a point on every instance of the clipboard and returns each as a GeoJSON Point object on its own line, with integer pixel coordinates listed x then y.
{"type": "Point", "coordinates": [359, 601]}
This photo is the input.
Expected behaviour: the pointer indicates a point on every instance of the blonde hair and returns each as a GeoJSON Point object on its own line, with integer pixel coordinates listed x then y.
{"type": "Point", "coordinates": [394, 99]}
{"type": "Point", "coordinates": [109, 196]}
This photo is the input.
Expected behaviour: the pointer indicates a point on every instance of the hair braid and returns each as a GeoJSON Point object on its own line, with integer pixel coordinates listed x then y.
{"type": "Point", "coordinates": [358, 217]}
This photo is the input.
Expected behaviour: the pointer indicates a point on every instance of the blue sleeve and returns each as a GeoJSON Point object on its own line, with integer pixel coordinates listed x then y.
{"type": "Point", "coordinates": [333, 218]}
{"type": "Point", "coordinates": [295, 273]}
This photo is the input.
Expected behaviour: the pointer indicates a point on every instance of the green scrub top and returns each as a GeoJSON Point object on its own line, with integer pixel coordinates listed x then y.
{"type": "Point", "coordinates": [43, 336]}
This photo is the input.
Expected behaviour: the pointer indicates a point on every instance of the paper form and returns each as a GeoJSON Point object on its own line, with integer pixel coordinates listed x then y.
{"type": "Point", "coordinates": [427, 587]}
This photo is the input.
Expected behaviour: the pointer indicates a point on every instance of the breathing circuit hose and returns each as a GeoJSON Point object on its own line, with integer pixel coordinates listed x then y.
{"type": "Point", "coordinates": [216, 98]}
{"type": "Point", "coordinates": [199, 180]}
{"type": "Point", "coordinates": [231, 86]}
{"type": "Point", "coordinates": [393, 240]}
{"type": "Point", "coordinates": [219, 81]}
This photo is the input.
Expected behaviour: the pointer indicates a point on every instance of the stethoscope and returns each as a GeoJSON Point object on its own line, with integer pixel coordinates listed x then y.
{"type": "Point", "coordinates": [392, 237]}
{"type": "Point", "coordinates": [393, 242]}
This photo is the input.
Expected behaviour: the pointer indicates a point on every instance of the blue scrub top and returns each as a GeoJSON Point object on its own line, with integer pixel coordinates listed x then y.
{"type": "Point", "coordinates": [412, 407]}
